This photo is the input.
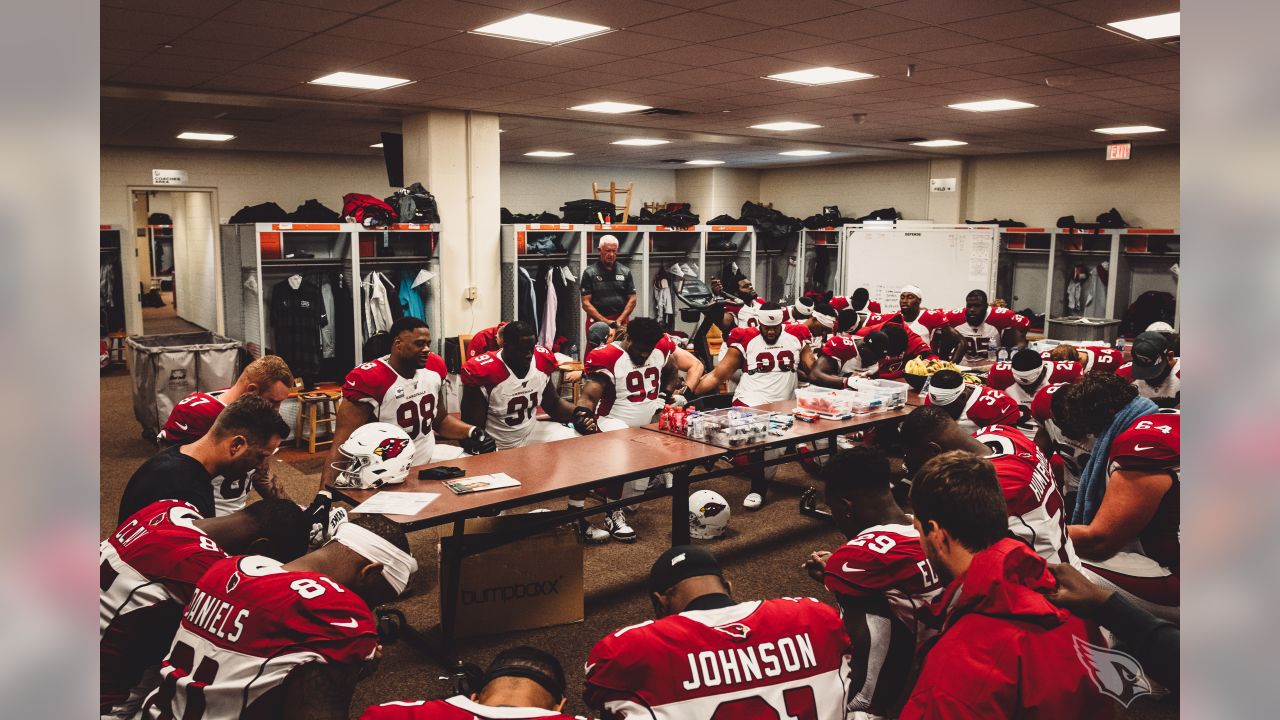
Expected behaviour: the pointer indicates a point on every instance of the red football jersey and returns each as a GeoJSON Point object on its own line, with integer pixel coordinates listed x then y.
{"type": "Point", "coordinates": [1073, 453]}
{"type": "Point", "coordinates": [458, 707]}
{"type": "Point", "coordinates": [410, 402]}
{"type": "Point", "coordinates": [769, 372]}
{"type": "Point", "coordinates": [1000, 377]}
{"type": "Point", "coordinates": [841, 302]}
{"type": "Point", "coordinates": [513, 401]}
{"type": "Point", "coordinates": [1153, 443]}
{"type": "Point", "coordinates": [1036, 512]}
{"type": "Point", "coordinates": [923, 327]}
{"type": "Point", "coordinates": [787, 657]}
{"type": "Point", "coordinates": [1102, 360]}
{"type": "Point", "coordinates": [148, 568]}
{"type": "Point", "coordinates": [891, 367]}
{"type": "Point", "coordinates": [484, 341]}
{"type": "Point", "coordinates": [986, 406]}
{"type": "Point", "coordinates": [192, 417]}
{"type": "Point", "coordinates": [842, 347]}
{"type": "Point", "coordinates": [248, 625]}
{"type": "Point", "coordinates": [632, 394]}
{"type": "Point", "coordinates": [887, 561]}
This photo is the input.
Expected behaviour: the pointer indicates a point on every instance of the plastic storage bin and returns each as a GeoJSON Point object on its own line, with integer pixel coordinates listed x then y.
{"type": "Point", "coordinates": [826, 401]}
{"type": "Point", "coordinates": [892, 393]}
{"type": "Point", "coordinates": [167, 368]}
{"type": "Point", "coordinates": [729, 428]}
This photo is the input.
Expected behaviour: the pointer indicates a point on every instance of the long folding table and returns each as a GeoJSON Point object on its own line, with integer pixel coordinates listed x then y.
{"type": "Point", "coordinates": [558, 469]}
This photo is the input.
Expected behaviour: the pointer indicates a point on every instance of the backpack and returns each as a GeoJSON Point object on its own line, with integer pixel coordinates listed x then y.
{"type": "Point", "coordinates": [367, 210]}
{"type": "Point", "coordinates": [415, 205]}
{"type": "Point", "coordinates": [314, 211]}
{"type": "Point", "coordinates": [588, 211]}
{"type": "Point", "coordinates": [261, 213]}
{"type": "Point", "coordinates": [772, 227]}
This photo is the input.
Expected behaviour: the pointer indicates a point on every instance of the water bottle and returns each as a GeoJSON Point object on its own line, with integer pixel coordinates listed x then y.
{"type": "Point", "coordinates": [1002, 354]}
{"type": "Point", "coordinates": [991, 348]}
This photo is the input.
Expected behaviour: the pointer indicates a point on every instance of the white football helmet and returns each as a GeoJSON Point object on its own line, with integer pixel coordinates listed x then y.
{"type": "Point", "coordinates": [376, 454]}
{"type": "Point", "coordinates": [708, 515]}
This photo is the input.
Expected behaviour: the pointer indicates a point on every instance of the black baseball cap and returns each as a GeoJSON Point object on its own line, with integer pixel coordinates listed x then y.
{"type": "Point", "coordinates": [681, 563]}
{"type": "Point", "coordinates": [1148, 354]}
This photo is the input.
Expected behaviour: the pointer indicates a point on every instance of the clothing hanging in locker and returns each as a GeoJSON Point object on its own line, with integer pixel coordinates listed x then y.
{"type": "Point", "coordinates": [527, 300]}
{"type": "Point", "coordinates": [377, 306]}
{"type": "Point", "coordinates": [547, 334]}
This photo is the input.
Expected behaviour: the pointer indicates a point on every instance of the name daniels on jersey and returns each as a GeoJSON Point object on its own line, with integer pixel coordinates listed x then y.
{"type": "Point", "coordinates": [216, 616]}
{"type": "Point", "coordinates": [748, 664]}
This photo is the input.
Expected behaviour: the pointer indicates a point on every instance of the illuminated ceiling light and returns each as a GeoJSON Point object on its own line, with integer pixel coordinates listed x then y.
{"type": "Point", "coordinates": [641, 142]}
{"type": "Point", "coordinates": [992, 105]}
{"type": "Point", "coordinates": [211, 137]}
{"type": "Point", "coordinates": [359, 81]}
{"type": "Point", "coordinates": [704, 162]}
{"type": "Point", "coordinates": [611, 108]}
{"type": "Point", "coordinates": [1129, 130]}
{"type": "Point", "coordinates": [543, 29]}
{"type": "Point", "coordinates": [820, 76]}
{"type": "Point", "coordinates": [1151, 28]}
{"type": "Point", "coordinates": [548, 153]}
{"type": "Point", "coordinates": [786, 126]}
{"type": "Point", "coordinates": [805, 153]}
{"type": "Point", "coordinates": [940, 143]}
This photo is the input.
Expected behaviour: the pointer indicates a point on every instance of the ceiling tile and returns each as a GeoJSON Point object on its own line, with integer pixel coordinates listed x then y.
{"type": "Point", "coordinates": [450, 14]}
{"type": "Point", "coordinates": [1100, 12]}
{"type": "Point", "coordinates": [517, 69]}
{"type": "Point", "coordinates": [120, 20]}
{"type": "Point", "coordinates": [1019, 66]}
{"type": "Point", "coordinates": [586, 78]}
{"type": "Point", "coordinates": [241, 83]}
{"type": "Point", "coordinates": [637, 43]}
{"type": "Point", "coordinates": [640, 67]}
{"type": "Point", "coordinates": [438, 59]}
{"type": "Point", "coordinates": [945, 75]}
{"type": "Point", "coordinates": [972, 54]}
{"type": "Point", "coordinates": [186, 62]}
{"type": "Point", "coordinates": [569, 57]}
{"type": "Point", "coordinates": [780, 13]}
{"type": "Point", "coordinates": [854, 25]}
{"type": "Point", "coordinates": [268, 71]}
{"type": "Point", "coordinates": [1113, 54]}
{"type": "Point", "coordinates": [1166, 77]}
{"type": "Point", "coordinates": [703, 76]}
{"type": "Point", "coordinates": [351, 49]}
{"type": "Point", "coordinates": [611, 13]}
{"type": "Point", "coordinates": [988, 85]}
{"type": "Point", "coordinates": [761, 66]}
{"type": "Point", "coordinates": [1036, 21]}
{"type": "Point", "coordinates": [1136, 67]}
{"type": "Point", "coordinates": [699, 27]}
{"type": "Point", "coordinates": [185, 8]}
{"type": "Point", "coordinates": [1067, 40]}
{"type": "Point", "coordinates": [696, 55]}
{"type": "Point", "coordinates": [354, 6]}
{"type": "Point", "coordinates": [937, 13]}
{"type": "Point", "coordinates": [279, 15]}
{"type": "Point", "coordinates": [223, 51]}
{"type": "Point", "coordinates": [844, 55]}
{"type": "Point", "coordinates": [913, 41]}
{"type": "Point", "coordinates": [162, 76]}
{"type": "Point", "coordinates": [374, 29]}
{"type": "Point", "coordinates": [226, 32]}
{"type": "Point", "coordinates": [483, 45]}
{"type": "Point", "coordinates": [771, 42]}
{"type": "Point", "coordinates": [469, 79]}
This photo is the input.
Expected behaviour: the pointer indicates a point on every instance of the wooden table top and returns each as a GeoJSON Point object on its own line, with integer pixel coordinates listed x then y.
{"type": "Point", "coordinates": [545, 471]}
{"type": "Point", "coordinates": [804, 431]}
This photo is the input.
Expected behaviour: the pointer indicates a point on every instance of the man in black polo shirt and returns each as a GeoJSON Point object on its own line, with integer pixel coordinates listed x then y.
{"type": "Point", "coordinates": [608, 293]}
{"type": "Point", "coordinates": [245, 435]}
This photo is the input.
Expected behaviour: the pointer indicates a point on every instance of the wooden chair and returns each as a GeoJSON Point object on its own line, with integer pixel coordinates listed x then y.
{"type": "Point", "coordinates": [613, 198]}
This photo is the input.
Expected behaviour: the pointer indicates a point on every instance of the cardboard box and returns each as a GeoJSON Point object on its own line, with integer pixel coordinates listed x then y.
{"type": "Point", "coordinates": [529, 583]}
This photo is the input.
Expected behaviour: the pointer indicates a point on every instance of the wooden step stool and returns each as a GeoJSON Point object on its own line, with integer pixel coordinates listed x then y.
{"type": "Point", "coordinates": [115, 348]}
{"type": "Point", "coordinates": [309, 416]}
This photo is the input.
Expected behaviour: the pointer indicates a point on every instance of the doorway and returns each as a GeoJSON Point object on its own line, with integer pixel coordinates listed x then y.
{"type": "Point", "coordinates": [175, 261]}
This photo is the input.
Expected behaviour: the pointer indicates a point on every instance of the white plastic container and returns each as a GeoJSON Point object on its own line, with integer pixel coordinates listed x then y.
{"type": "Point", "coordinates": [893, 394]}
{"type": "Point", "coordinates": [826, 401]}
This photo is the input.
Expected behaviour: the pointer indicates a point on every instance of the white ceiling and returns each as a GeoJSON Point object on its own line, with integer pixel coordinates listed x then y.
{"type": "Point", "coordinates": [242, 66]}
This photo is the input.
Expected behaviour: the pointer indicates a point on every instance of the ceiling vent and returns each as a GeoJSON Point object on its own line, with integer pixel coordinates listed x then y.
{"type": "Point", "coordinates": [665, 111]}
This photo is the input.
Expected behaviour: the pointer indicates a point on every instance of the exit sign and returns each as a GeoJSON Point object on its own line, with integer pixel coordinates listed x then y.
{"type": "Point", "coordinates": [1118, 151]}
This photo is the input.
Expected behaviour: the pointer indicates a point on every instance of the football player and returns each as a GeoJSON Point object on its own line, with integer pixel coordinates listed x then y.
{"type": "Point", "coordinates": [859, 302]}
{"type": "Point", "coordinates": [1023, 375]}
{"type": "Point", "coordinates": [1036, 510]}
{"type": "Point", "coordinates": [502, 391]}
{"type": "Point", "coordinates": [981, 327]}
{"type": "Point", "coordinates": [1127, 519]}
{"type": "Point", "coordinates": [770, 358]}
{"type": "Point", "coordinates": [242, 440]}
{"type": "Point", "coordinates": [485, 340]}
{"type": "Point", "coordinates": [401, 388]}
{"type": "Point", "coordinates": [149, 567]}
{"type": "Point", "coordinates": [521, 682]}
{"type": "Point", "coordinates": [821, 322]}
{"type": "Point", "coordinates": [924, 324]}
{"type": "Point", "coordinates": [1156, 371]}
{"type": "Point", "coordinates": [971, 406]}
{"type": "Point", "coordinates": [710, 656]}
{"type": "Point", "coordinates": [902, 345]}
{"type": "Point", "coordinates": [1067, 456]}
{"type": "Point", "coordinates": [845, 356]}
{"type": "Point", "coordinates": [624, 387]}
{"type": "Point", "coordinates": [269, 378]}
{"type": "Point", "coordinates": [262, 639]}
{"type": "Point", "coordinates": [880, 578]}
{"type": "Point", "coordinates": [1092, 359]}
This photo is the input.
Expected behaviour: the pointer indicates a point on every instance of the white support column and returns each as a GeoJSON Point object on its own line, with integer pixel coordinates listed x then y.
{"type": "Point", "coordinates": [455, 154]}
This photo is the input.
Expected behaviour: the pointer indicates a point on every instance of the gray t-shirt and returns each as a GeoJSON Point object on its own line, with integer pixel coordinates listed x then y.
{"type": "Point", "coordinates": [608, 290]}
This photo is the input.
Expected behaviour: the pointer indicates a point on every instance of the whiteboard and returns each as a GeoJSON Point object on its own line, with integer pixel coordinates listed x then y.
{"type": "Point", "coordinates": [944, 261]}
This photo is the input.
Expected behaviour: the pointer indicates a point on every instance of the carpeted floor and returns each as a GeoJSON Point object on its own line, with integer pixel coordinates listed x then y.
{"type": "Point", "coordinates": [761, 552]}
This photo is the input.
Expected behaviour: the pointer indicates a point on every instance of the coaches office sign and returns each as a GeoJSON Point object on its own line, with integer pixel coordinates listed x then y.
{"type": "Point", "coordinates": [168, 177]}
